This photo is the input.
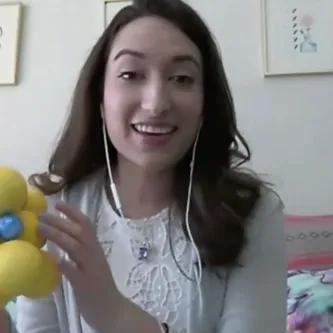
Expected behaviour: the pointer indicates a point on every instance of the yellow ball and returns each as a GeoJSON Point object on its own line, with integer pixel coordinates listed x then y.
{"type": "Point", "coordinates": [31, 231]}
{"type": "Point", "coordinates": [4, 301]}
{"type": "Point", "coordinates": [36, 201]}
{"type": "Point", "coordinates": [20, 266]}
{"type": "Point", "coordinates": [13, 190]}
{"type": "Point", "coordinates": [48, 279]}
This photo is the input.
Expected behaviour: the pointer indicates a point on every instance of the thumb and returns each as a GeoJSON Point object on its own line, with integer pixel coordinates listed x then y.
{"type": "Point", "coordinates": [69, 269]}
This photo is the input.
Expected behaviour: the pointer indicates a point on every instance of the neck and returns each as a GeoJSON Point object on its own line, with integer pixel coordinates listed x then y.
{"type": "Point", "coordinates": [142, 192]}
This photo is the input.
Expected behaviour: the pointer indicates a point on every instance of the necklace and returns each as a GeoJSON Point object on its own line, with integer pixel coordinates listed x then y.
{"type": "Point", "coordinates": [144, 251]}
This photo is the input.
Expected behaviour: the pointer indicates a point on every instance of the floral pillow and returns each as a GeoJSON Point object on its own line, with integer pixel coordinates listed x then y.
{"type": "Point", "coordinates": [310, 301]}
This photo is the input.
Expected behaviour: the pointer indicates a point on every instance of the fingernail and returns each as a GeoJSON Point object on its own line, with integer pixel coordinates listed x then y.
{"type": "Point", "coordinates": [43, 227]}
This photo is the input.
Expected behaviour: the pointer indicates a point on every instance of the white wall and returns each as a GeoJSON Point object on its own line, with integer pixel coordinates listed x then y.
{"type": "Point", "coordinates": [287, 121]}
{"type": "Point", "coordinates": [55, 43]}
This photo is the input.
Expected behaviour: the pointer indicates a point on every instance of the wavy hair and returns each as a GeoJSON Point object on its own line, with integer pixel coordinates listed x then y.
{"type": "Point", "coordinates": [224, 194]}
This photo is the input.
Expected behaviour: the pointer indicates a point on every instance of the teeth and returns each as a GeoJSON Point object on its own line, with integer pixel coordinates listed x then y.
{"type": "Point", "coordinates": [150, 129]}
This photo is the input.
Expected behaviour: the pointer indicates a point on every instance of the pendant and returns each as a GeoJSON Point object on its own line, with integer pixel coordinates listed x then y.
{"type": "Point", "coordinates": [144, 251]}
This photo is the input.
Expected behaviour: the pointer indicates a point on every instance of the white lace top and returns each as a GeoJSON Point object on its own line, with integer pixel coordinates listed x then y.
{"type": "Point", "coordinates": [247, 299]}
{"type": "Point", "coordinates": [142, 263]}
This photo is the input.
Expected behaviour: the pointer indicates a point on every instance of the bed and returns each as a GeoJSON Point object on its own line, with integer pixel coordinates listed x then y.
{"type": "Point", "coordinates": [310, 301]}
{"type": "Point", "coordinates": [309, 242]}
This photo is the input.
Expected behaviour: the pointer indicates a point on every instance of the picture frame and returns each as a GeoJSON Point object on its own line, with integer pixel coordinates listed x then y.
{"type": "Point", "coordinates": [10, 33]}
{"type": "Point", "coordinates": [297, 37]}
{"type": "Point", "coordinates": [111, 8]}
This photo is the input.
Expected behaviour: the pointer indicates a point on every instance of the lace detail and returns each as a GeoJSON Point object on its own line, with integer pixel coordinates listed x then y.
{"type": "Point", "coordinates": [107, 247]}
{"type": "Point", "coordinates": [105, 242]}
{"type": "Point", "coordinates": [156, 284]}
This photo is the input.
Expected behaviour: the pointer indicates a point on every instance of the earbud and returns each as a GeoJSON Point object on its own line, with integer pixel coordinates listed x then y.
{"type": "Point", "coordinates": [102, 111]}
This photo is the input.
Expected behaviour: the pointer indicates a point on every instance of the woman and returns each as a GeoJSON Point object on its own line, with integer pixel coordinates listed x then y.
{"type": "Point", "coordinates": [160, 230]}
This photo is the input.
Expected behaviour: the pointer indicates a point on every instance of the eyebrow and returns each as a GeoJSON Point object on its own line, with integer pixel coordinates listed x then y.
{"type": "Point", "coordinates": [180, 58]}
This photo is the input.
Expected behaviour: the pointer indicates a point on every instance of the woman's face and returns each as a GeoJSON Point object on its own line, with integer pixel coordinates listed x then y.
{"type": "Point", "coordinates": [153, 93]}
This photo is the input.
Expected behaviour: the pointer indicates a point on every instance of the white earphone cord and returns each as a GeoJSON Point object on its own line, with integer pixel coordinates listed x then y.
{"type": "Point", "coordinates": [113, 186]}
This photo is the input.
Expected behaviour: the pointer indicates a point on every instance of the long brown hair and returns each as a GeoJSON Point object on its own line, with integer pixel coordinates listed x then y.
{"type": "Point", "coordinates": [224, 196]}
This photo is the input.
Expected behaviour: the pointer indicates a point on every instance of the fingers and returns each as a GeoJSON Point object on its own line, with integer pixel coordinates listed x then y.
{"type": "Point", "coordinates": [66, 242]}
{"type": "Point", "coordinates": [70, 270]}
{"type": "Point", "coordinates": [72, 234]}
{"type": "Point", "coordinates": [73, 214]}
{"type": "Point", "coordinates": [67, 226]}
{"type": "Point", "coordinates": [76, 224]}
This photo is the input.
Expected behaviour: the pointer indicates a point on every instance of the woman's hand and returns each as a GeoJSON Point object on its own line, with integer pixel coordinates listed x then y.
{"type": "Point", "coordinates": [88, 271]}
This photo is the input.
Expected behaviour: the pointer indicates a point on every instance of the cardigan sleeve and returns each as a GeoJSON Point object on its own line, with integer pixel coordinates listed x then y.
{"type": "Point", "coordinates": [36, 316]}
{"type": "Point", "coordinates": [256, 295]}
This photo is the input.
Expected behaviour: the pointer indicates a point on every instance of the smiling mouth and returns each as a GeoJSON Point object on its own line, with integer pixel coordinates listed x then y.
{"type": "Point", "coordinates": [157, 130]}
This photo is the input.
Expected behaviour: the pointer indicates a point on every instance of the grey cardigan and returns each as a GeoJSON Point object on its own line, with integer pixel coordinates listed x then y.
{"type": "Point", "coordinates": [251, 300]}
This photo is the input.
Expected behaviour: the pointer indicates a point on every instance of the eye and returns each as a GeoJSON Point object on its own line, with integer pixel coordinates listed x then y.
{"type": "Point", "coordinates": [183, 79]}
{"type": "Point", "coordinates": [130, 75]}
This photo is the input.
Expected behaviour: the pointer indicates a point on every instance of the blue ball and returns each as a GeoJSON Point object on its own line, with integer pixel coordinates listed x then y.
{"type": "Point", "coordinates": [11, 227]}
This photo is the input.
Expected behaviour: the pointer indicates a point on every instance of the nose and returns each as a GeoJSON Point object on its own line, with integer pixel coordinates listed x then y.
{"type": "Point", "coordinates": [156, 98]}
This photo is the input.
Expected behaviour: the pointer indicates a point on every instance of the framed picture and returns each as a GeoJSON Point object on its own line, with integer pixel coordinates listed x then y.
{"type": "Point", "coordinates": [112, 7]}
{"type": "Point", "coordinates": [297, 37]}
{"type": "Point", "coordinates": [10, 26]}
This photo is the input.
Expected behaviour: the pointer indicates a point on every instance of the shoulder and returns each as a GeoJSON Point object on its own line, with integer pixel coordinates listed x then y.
{"type": "Point", "coordinates": [248, 305]}
{"type": "Point", "coordinates": [269, 203]}
{"type": "Point", "coordinates": [265, 229]}
{"type": "Point", "coordinates": [83, 195]}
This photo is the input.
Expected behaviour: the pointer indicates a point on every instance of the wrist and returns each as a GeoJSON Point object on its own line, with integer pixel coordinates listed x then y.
{"type": "Point", "coordinates": [130, 318]}
{"type": "Point", "coordinates": [113, 314]}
